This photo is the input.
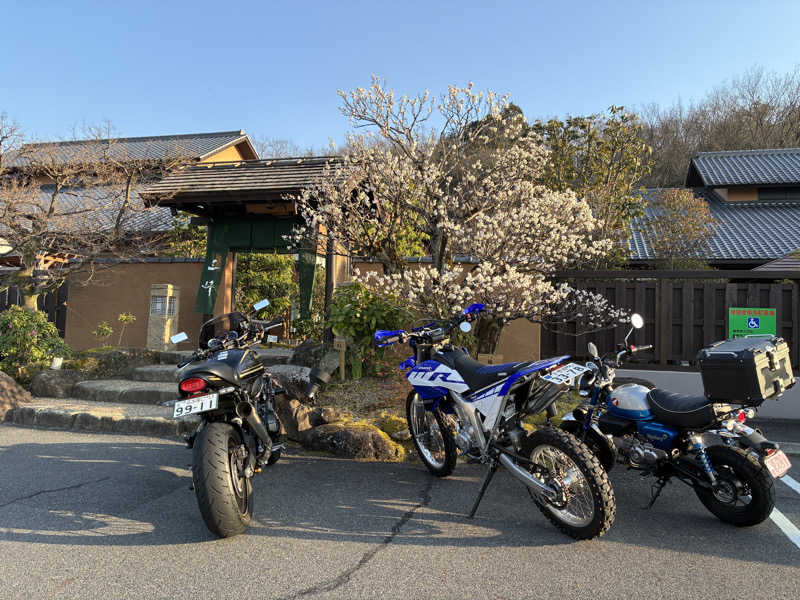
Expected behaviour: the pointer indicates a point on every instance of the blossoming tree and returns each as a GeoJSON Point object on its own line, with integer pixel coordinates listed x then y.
{"type": "Point", "coordinates": [457, 177]}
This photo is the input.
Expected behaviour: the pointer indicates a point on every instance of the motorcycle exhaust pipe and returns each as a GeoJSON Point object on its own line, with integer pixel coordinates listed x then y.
{"type": "Point", "coordinates": [245, 411]}
{"type": "Point", "coordinates": [539, 488]}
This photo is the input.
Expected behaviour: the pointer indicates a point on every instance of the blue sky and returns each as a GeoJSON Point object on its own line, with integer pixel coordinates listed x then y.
{"type": "Point", "coordinates": [273, 68]}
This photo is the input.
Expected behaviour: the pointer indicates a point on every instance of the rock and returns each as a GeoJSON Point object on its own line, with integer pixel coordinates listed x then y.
{"type": "Point", "coordinates": [11, 395]}
{"type": "Point", "coordinates": [115, 364]}
{"type": "Point", "coordinates": [296, 417]}
{"type": "Point", "coordinates": [293, 378]}
{"type": "Point", "coordinates": [55, 383]}
{"type": "Point", "coordinates": [401, 436]}
{"type": "Point", "coordinates": [308, 354]}
{"type": "Point", "coordinates": [331, 415]}
{"type": "Point", "coordinates": [353, 441]}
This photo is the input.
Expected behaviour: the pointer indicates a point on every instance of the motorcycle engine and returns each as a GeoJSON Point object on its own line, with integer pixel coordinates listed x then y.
{"type": "Point", "coordinates": [638, 453]}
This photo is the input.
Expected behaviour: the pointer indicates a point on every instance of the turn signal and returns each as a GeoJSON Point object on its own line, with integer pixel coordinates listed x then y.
{"type": "Point", "coordinates": [741, 416]}
{"type": "Point", "coordinates": [193, 384]}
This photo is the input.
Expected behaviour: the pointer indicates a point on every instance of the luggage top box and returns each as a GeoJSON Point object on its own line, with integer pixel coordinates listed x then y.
{"type": "Point", "coordinates": [746, 370]}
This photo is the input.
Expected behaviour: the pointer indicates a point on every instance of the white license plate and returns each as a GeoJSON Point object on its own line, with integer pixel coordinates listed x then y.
{"type": "Point", "coordinates": [195, 405]}
{"type": "Point", "coordinates": [778, 464]}
{"type": "Point", "coordinates": [565, 374]}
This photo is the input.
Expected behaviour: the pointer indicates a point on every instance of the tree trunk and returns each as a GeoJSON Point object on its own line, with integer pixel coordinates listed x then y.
{"type": "Point", "coordinates": [488, 332]}
{"type": "Point", "coordinates": [30, 301]}
{"type": "Point", "coordinates": [27, 287]}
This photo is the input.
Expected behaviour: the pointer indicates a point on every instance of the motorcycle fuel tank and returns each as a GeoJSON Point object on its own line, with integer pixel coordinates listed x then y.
{"type": "Point", "coordinates": [232, 366]}
{"type": "Point", "coordinates": [630, 402]}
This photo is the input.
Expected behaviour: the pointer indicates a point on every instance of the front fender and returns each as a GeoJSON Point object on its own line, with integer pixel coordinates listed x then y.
{"type": "Point", "coordinates": [598, 443]}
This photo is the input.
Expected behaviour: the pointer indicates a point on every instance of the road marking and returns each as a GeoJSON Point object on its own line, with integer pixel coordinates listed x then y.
{"type": "Point", "coordinates": [795, 485]}
{"type": "Point", "coordinates": [787, 527]}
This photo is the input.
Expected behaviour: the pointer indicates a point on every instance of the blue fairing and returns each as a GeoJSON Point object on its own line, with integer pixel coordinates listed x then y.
{"type": "Point", "coordinates": [537, 366]}
{"type": "Point", "coordinates": [429, 393]}
{"type": "Point", "coordinates": [474, 308]}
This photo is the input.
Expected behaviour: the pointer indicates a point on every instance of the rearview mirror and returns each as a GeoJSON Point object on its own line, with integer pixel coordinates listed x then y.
{"type": "Point", "coordinates": [261, 304]}
{"type": "Point", "coordinates": [592, 350]}
{"type": "Point", "coordinates": [179, 337]}
{"type": "Point", "coordinates": [465, 327]}
{"type": "Point", "coordinates": [637, 321]}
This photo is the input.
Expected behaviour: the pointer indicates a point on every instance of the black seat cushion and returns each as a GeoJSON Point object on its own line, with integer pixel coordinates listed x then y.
{"type": "Point", "coordinates": [680, 410]}
{"type": "Point", "coordinates": [475, 374]}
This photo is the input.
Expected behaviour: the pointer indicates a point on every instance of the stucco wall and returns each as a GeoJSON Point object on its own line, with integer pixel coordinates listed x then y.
{"type": "Point", "coordinates": [125, 287]}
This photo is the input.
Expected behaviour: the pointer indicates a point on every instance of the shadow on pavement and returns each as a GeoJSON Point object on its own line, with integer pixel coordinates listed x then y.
{"type": "Point", "coordinates": [137, 494]}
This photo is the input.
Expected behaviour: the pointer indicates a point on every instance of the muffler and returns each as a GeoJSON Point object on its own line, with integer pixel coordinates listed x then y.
{"type": "Point", "coordinates": [538, 487]}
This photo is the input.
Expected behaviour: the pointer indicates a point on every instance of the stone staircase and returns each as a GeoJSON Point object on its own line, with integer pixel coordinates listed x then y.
{"type": "Point", "coordinates": [133, 404]}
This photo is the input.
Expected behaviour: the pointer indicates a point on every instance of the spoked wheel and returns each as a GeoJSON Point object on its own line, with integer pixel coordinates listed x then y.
{"type": "Point", "coordinates": [584, 507]}
{"type": "Point", "coordinates": [432, 436]}
{"type": "Point", "coordinates": [224, 494]}
{"type": "Point", "coordinates": [744, 493]}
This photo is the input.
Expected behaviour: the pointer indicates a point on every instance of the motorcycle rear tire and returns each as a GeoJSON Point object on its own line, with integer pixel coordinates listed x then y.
{"type": "Point", "coordinates": [226, 504]}
{"type": "Point", "coordinates": [604, 505]}
{"type": "Point", "coordinates": [739, 466]}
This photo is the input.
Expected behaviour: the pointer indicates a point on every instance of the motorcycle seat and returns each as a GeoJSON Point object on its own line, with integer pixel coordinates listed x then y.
{"type": "Point", "coordinates": [478, 375]}
{"type": "Point", "coordinates": [680, 410]}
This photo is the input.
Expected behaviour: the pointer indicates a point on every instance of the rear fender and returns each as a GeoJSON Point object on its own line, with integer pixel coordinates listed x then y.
{"type": "Point", "coordinates": [598, 443]}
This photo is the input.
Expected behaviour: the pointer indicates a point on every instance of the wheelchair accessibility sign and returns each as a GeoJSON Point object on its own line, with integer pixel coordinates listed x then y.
{"type": "Point", "coordinates": [751, 321]}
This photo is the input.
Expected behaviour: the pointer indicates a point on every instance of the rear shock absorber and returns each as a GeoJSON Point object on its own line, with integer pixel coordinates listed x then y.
{"type": "Point", "coordinates": [699, 448]}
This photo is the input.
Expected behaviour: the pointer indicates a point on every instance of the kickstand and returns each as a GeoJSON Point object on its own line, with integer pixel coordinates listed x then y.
{"type": "Point", "coordinates": [655, 491]}
{"type": "Point", "coordinates": [486, 481]}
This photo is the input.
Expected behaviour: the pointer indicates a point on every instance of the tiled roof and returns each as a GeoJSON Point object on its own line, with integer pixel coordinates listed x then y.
{"type": "Point", "coordinates": [275, 175]}
{"type": "Point", "coordinates": [790, 262]}
{"type": "Point", "coordinates": [745, 231]}
{"type": "Point", "coordinates": [96, 208]}
{"type": "Point", "coordinates": [745, 167]}
{"type": "Point", "coordinates": [192, 145]}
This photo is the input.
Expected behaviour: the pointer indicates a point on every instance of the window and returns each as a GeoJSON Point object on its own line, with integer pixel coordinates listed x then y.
{"type": "Point", "coordinates": [162, 306]}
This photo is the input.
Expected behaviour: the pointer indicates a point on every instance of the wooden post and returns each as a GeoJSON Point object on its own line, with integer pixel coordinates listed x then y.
{"type": "Point", "coordinates": [340, 344]}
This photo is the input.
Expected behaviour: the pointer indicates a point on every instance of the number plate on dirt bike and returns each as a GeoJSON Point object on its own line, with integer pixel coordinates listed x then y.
{"type": "Point", "coordinates": [195, 405]}
{"type": "Point", "coordinates": [778, 464]}
{"type": "Point", "coordinates": [565, 374]}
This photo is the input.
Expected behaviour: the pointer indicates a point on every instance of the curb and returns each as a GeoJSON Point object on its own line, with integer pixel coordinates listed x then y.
{"type": "Point", "coordinates": [87, 422]}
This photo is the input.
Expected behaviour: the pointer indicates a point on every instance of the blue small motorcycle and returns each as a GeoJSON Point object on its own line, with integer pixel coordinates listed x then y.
{"type": "Point", "coordinates": [460, 406]}
{"type": "Point", "coordinates": [700, 440]}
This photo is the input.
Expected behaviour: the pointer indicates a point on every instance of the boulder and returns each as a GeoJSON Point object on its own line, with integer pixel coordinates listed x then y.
{"type": "Point", "coordinates": [352, 441]}
{"type": "Point", "coordinates": [296, 418]}
{"type": "Point", "coordinates": [331, 415]}
{"type": "Point", "coordinates": [293, 378]}
{"type": "Point", "coordinates": [308, 354]}
{"type": "Point", "coordinates": [55, 383]}
{"type": "Point", "coordinates": [11, 395]}
{"type": "Point", "coordinates": [401, 436]}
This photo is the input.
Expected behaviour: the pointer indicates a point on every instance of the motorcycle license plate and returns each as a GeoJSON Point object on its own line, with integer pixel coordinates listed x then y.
{"type": "Point", "coordinates": [195, 405]}
{"type": "Point", "coordinates": [565, 374]}
{"type": "Point", "coordinates": [778, 464]}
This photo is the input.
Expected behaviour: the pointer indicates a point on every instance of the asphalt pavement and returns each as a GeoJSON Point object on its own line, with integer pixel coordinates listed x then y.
{"type": "Point", "coordinates": [109, 516]}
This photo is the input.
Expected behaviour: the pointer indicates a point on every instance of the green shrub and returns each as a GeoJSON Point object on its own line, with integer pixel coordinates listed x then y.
{"type": "Point", "coordinates": [27, 338]}
{"type": "Point", "coordinates": [103, 330]}
{"type": "Point", "coordinates": [355, 314]}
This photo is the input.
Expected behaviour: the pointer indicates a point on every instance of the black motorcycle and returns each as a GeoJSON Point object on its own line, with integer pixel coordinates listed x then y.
{"type": "Point", "coordinates": [225, 383]}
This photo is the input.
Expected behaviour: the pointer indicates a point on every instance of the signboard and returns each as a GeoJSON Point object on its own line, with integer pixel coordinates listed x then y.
{"type": "Point", "coordinates": [751, 321]}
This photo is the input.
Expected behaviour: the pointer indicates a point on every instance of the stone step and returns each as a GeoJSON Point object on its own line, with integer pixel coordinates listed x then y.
{"type": "Point", "coordinates": [156, 373]}
{"type": "Point", "coordinates": [103, 417]}
{"type": "Point", "coordinates": [125, 391]}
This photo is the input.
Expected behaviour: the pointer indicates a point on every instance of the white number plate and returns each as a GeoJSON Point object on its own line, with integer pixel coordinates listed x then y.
{"type": "Point", "coordinates": [778, 464]}
{"type": "Point", "coordinates": [194, 405]}
{"type": "Point", "coordinates": [566, 373]}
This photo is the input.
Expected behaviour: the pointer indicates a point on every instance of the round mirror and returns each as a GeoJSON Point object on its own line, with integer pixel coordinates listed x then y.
{"type": "Point", "coordinates": [465, 327]}
{"type": "Point", "coordinates": [637, 320]}
{"type": "Point", "coordinates": [592, 350]}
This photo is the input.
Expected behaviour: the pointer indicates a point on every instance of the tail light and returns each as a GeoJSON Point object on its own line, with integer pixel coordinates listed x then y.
{"type": "Point", "coordinates": [192, 385]}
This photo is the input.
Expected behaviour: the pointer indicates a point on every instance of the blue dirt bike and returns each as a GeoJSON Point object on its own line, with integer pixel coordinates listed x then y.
{"type": "Point", "coordinates": [700, 440]}
{"type": "Point", "coordinates": [459, 405]}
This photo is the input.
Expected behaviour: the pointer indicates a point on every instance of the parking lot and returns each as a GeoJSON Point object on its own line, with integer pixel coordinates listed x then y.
{"type": "Point", "coordinates": [91, 516]}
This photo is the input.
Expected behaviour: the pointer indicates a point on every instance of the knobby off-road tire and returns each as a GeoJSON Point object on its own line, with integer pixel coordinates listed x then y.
{"type": "Point", "coordinates": [551, 447]}
{"type": "Point", "coordinates": [226, 510]}
{"type": "Point", "coordinates": [443, 463]}
{"type": "Point", "coordinates": [752, 486]}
